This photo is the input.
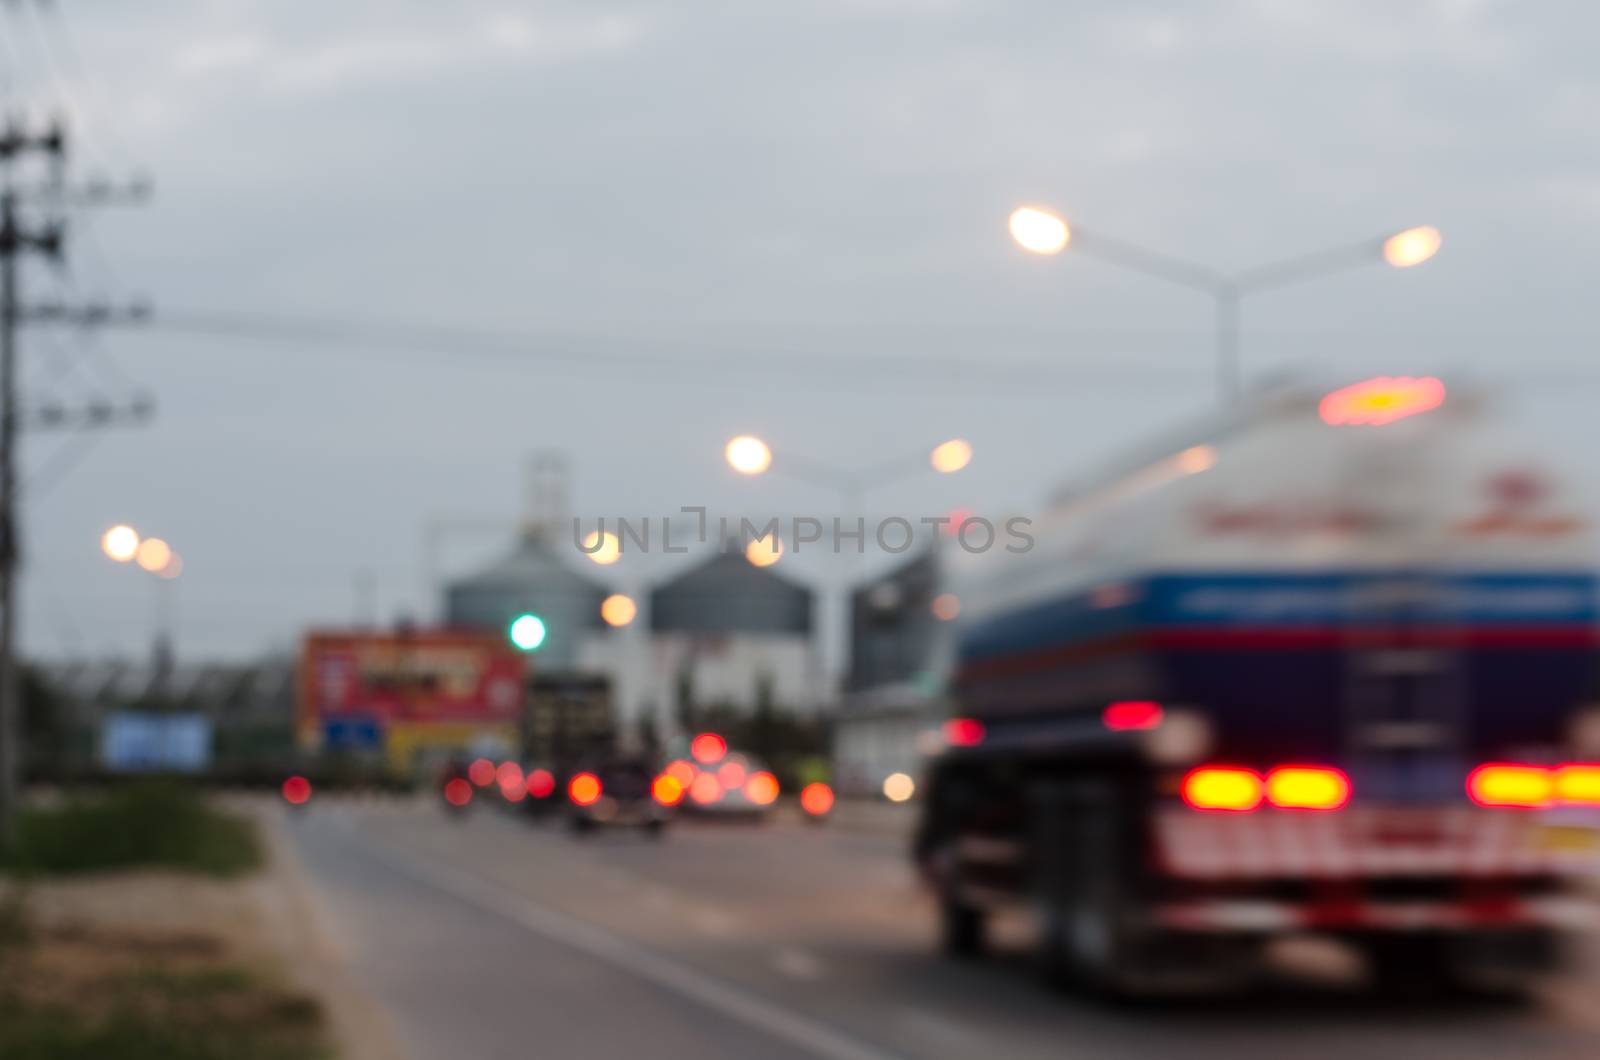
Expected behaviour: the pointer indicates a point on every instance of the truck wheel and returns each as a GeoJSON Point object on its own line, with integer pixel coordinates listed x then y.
{"type": "Point", "coordinates": [962, 928]}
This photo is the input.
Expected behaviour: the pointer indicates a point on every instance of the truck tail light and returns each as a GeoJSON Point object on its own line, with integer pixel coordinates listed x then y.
{"type": "Point", "coordinates": [963, 732]}
{"type": "Point", "coordinates": [1578, 784]}
{"type": "Point", "coordinates": [1222, 788]}
{"type": "Point", "coordinates": [1508, 784]}
{"type": "Point", "coordinates": [1307, 788]}
{"type": "Point", "coordinates": [1131, 714]}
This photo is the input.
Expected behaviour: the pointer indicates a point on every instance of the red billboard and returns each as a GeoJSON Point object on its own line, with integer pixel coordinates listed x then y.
{"type": "Point", "coordinates": [375, 679]}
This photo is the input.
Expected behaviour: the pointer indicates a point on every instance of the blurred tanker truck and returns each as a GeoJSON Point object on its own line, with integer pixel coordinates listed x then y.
{"type": "Point", "coordinates": [1326, 664]}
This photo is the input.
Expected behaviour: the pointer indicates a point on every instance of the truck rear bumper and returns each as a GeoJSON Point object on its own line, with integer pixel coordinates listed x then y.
{"type": "Point", "coordinates": [1268, 916]}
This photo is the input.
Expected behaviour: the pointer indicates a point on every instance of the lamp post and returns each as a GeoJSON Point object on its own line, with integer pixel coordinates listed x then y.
{"type": "Point", "coordinates": [1043, 232]}
{"type": "Point", "coordinates": [124, 544]}
{"type": "Point", "coordinates": [751, 456]}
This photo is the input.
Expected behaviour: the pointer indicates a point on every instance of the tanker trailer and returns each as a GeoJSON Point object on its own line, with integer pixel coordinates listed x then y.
{"type": "Point", "coordinates": [1323, 664]}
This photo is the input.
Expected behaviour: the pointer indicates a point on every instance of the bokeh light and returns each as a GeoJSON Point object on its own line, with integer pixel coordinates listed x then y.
{"type": "Point", "coordinates": [764, 551]}
{"type": "Point", "coordinates": [951, 456]}
{"type": "Point", "coordinates": [584, 789]}
{"type": "Point", "coordinates": [748, 455]}
{"type": "Point", "coordinates": [898, 787]}
{"type": "Point", "coordinates": [121, 543]}
{"type": "Point", "coordinates": [618, 610]}
{"type": "Point", "coordinates": [708, 747]}
{"type": "Point", "coordinates": [946, 606]}
{"type": "Point", "coordinates": [1039, 230]}
{"type": "Point", "coordinates": [1412, 247]}
{"type": "Point", "coordinates": [761, 788]}
{"type": "Point", "coordinates": [153, 554]}
{"type": "Point", "coordinates": [602, 547]}
{"type": "Point", "coordinates": [816, 798]}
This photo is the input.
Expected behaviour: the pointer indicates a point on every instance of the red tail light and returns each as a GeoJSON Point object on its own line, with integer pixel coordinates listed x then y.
{"type": "Point", "coordinates": [1222, 788]}
{"type": "Point", "coordinates": [458, 792]}
{"type": "Point", "coordinates": [541, 782]}
{"type": "Point", "coordinates": [481, 771]}
{"type": "Point", "coordinates": [1307, 788]}
{"type": "Point", "coordinates": [584, 789]}
{"type": "Point", "coordinates": [297, 791]}
{"type": "Point", "coordinates": [816, 798]}
{"type": "Point", "coordinates": [1578, 784]}
{"type": "Point", "coordinates": [1132, 714]}
{"type": "Point", "coordinates": [963, 732]}
{"type": "Point", "coordinates": [1531, 787]}
{"type": "Point", "coordinates": [761, 788]}
{"type": "Point", "coordinates": [708, 748]}
{"type": "Point", "coordinates": [1508, 784]}
{"type": "Point", "coordinates": [667, 790]}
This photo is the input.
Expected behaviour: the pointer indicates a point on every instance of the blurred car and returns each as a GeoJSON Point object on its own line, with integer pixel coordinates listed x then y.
{"type": "Point", "coordinates": [618, 793]}
{"type": "Point", "coordinates": [719, 782]}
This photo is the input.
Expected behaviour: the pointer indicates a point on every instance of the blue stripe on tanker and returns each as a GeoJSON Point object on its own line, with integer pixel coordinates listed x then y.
{"type": "Point", "coordinates": [1290, 602]}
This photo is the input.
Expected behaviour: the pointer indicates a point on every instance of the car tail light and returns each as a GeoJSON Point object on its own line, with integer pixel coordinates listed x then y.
{"type": "Point", "coordinates": [816, 798]}
{"type": "Point", "coordinates": [963, 732]}
{"type": "Point", "coordinates": [1307, 788]}
{"type": "Point", "coordinates": [1222, 788]}
{"type": "Point", "coordinates": [667, 790]}
{"type": "Point", "coordinates": [297, 790]}
{"type": "Point", "coordinates": [541, 782]}
{"type": "Point", "coordinates": [708, 748]}
{"type": "Point", "coordinates": [731, 775]}
{"type": "Point", "coordinates": [705, 789]}
{"type": "Point", "coordinates": [1508, 784]}
{"type": "Point", "coordinates": [1131, 714]}
{"type": "Point", "coordinates": [584, 789]}
{"type": "Point", "coordinates": [481, 772]}
{"type": "Point", "coordinates": [1578, 783]}
{"type": "Point", "coordinates": [761, 788]}
{"type": "Point", "coordinates": [457, 792]}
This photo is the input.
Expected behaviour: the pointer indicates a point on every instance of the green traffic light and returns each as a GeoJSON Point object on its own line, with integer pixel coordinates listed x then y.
{"type": "Point", "coordinates": [527, 632]}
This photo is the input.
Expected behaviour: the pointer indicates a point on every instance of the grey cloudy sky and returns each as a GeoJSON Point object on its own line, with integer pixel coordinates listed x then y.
{"type": "Point", "coordinates": [796, 188]}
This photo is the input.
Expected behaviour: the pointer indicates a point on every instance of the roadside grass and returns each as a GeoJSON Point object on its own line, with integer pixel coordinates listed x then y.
{"type": "Point", "coordinates": [155, 824]}
{"type": "Point", "coordinates": [78, 994]}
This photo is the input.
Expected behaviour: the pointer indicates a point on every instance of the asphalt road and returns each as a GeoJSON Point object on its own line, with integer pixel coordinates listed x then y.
{"type": "Point", "coordinates": [487, 937]}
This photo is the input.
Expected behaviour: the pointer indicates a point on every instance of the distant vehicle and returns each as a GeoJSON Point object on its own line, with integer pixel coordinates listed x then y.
{"type": "Point", "coordinates": [1323, 665]}
{"type": "Point", "coordinates": [617, 792]}
{"type": "Point", "coordinates": [717, 781]}
{"type": "Point", "coordinates": [455, 785]}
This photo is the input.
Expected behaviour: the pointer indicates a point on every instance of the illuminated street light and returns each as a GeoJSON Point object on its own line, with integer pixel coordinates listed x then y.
{"type": "Point", "coordinates": [1043, 232]}
{"type": "Point", "coordinates": [748, 455]}
{"type": "Point", "coordinates": [602, 547]}
{"type": "Point", "coordinates": [121, 543]}
{"type": "Point", "coordinates": [764, 551]}
{"type": "Point", "coordinates": [618, 610]}
{"type": "Point", "coordinates": [153, 554]}
{"type": "Point", "coordinates": [951, 456]}
{"type": "Point", "coordinates": [1039, 230]}
{"type": "Point", "coordinates": [172, 568]}
{"type": "Point", "coordinates": [1412, 247]}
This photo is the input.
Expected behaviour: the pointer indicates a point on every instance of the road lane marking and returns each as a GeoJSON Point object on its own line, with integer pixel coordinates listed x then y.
{"type": "Point", "coordinates": [664, 972]}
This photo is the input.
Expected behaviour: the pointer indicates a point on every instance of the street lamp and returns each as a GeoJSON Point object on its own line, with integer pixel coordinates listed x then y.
{"type": "Point", "coordinates": [1043, 232]}
{"type": "Point", "coordinates": [749, 455]}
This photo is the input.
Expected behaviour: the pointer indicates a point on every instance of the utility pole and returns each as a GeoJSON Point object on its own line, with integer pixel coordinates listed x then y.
{"type": "Point", "coordinates": [18, 237]}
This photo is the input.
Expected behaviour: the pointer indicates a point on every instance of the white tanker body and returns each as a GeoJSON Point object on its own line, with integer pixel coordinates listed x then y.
{"type": "Point", "coordinates": [1325, 665]}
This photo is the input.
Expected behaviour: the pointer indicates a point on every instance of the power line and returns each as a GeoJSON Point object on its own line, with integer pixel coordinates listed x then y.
{"type": "Point", "coordinates": [592, 355]}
